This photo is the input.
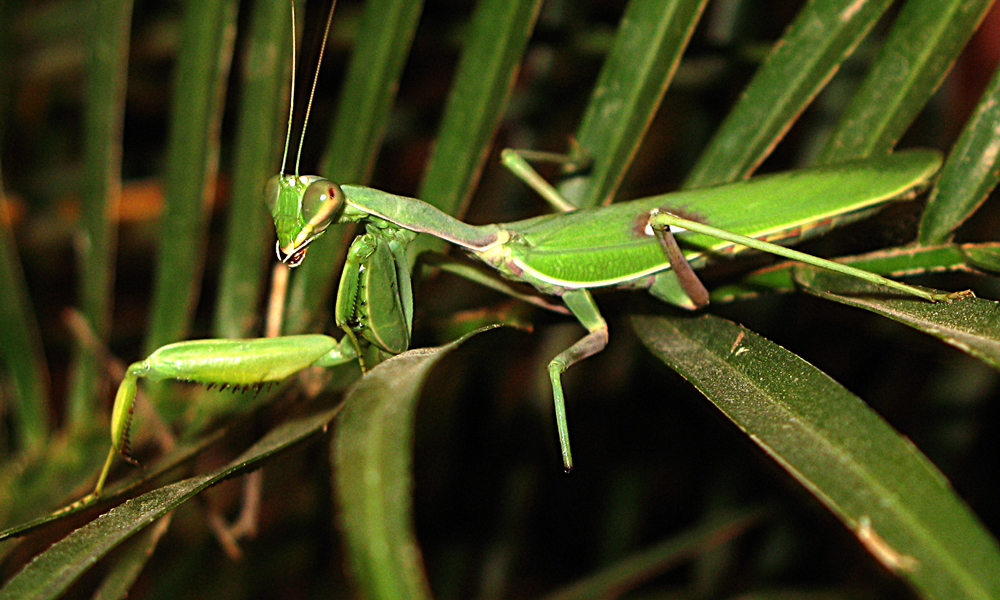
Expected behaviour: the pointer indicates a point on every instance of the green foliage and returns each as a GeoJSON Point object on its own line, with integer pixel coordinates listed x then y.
{"type": "Point", "coordinates": [462, 495]}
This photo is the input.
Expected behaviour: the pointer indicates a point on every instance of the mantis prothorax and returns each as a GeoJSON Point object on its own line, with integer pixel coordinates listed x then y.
{"type": "Point", "coordinates": [564, 254]}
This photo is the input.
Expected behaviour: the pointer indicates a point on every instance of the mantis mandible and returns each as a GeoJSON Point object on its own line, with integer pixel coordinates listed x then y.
{"type": "Point", "coordinates": [565, 254]}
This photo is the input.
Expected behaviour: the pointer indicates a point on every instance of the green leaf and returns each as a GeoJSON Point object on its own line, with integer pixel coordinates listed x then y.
{"type": "Point", "coordinates": [651, 38]}
{"type": "Point", "coordinates": [51, 572]}
{"type": "Point", "coordinates": [249, 245]}
{"type": "Point", "coordinates": [372, 455]}
{"type": "Point", "coordinates": [21, 345]}
{"type": "Point", "coordinates": [970, 324]}
{"type": "Point", "coordinates": [131, 559]}
{"type": "Point", "coordinates": [925, 40]}
{"type": "Point", "coordinates": [192, 163]}
{"type": "Point", "coordinates": [891, 262]}
{"type": "Point", "coordinates": [822, 35]}
{"type": "Point", "coordinates": [490, 60]}
{"type": "Point", "coordinates": [100, 190]}
{"type": "Point", "coordinates": [970, 173]}
{"type": "Point", "coordinates": [873, 479]}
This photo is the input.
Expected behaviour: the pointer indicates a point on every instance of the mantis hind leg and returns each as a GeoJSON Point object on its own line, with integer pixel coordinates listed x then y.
{"type": "Point", "coordinates": [685, 275]}
{"type": "Point", "coordinates": [661, 221]}
{"type": "Point", "coordinates": [581, 303]}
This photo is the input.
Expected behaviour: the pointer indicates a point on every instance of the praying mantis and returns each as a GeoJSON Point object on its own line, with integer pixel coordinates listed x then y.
{"type": "Point", "coordinates": [629, 244]}
{"type": "Point", "coordinates": [651, 243]}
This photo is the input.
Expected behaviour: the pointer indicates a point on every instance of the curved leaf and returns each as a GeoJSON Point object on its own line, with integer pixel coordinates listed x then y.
{"type": "Point", "coordinates": [372, 460]}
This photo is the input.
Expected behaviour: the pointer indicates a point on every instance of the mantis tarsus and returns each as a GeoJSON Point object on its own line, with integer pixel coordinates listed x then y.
{"type": "Point", "coordinates": [564, 254]}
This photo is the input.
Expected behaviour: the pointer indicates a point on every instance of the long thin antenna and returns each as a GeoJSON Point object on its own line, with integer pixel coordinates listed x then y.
{"type": "Point", "coordinates": [291, 102]}
{"type": "Point", "coordinates": [312, 92]}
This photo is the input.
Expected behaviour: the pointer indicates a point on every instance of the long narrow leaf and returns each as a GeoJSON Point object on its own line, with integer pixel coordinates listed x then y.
{"type": "Point", "coordinates": [970, 324]}
{"type": "Point", "coordinates": [924, 42]}
{"type": "Point", "coordinates": [891, 262]}
{"type": "Point", "coordinates": [249, 232]}
{"type": "Point", "coordinates": [192, 164]}
{"type": "Point", "coordinates": [48, 575]}
{"type": "Point", "coordinates": [822, 35]}
{"type": "Point", "coordinates": [873, 479]}
{"type": "Point", "coordinates": [651, 38]}
{"type": "Point", "coordinates": [21, 345]}
{"type": "Point", "coordinates": [100, 190]}
{"type": "Point", "coordinates": [970, 173]}
{"type": "Point", "coordinates": [489, 64]}
{"type": "Point", "coordinates": [372, 454]}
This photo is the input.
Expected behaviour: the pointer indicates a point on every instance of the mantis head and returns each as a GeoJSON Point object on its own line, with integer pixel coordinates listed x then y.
{"type": "Point", "coordinates": [302, 208]}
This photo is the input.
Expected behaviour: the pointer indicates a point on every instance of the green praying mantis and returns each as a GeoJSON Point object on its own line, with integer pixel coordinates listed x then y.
{"type": "Point", "coordinates": [652, 243]}
{"type": "Point", "coordinates": [565, 254]}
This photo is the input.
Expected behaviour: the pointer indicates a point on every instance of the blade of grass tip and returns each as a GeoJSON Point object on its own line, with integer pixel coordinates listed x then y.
{"type": "Point", "coordinates": [383, 43]}
{"type": "Point", "coordinates": [900, 507]}
{"type": "Point", "coordinates": [21, 345]}
{"type": "Point", "coordinates": [652, 36]}
{"type": "Point", "coordinates": [381, 47]}
{"type": "Point", "coordinates": [491, 57]}
{"type": "Point", "coordinates": [100, 190]}
{"type": "Point", "coordinates": [261, 126]}
{"type": "Point", "coordinates": [970, 173]}
{"type": "Point", "coordinates": [202, 70]}
{"type": "Point", "coordinates": [924, 42]}
{"type": "Point", "coordinates": [810, 52]}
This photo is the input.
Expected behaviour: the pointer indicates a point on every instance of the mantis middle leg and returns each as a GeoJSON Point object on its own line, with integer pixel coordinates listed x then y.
{"type": "Point", "coordinates": [582, 305]}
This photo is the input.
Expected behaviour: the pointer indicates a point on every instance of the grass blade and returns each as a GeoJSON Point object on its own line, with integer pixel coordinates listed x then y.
{"type": "Point", "coordinates": [261, 129]}
{"type": "Point", "coordinates": [192, 163]}
{"type": "Point", "coordinates": [486, 72]}
{"type": "Point", "coordinates": [21, 345]}
{"type": "Point", "coordinates": [101, 192]}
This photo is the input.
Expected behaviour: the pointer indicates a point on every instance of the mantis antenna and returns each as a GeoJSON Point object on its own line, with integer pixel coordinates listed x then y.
{"type": "Point", "coordinates": [312, 91]}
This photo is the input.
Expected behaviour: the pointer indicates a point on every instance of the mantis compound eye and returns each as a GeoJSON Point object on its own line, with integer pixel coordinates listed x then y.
{"type": "Point", "coordinates": [321, 204]}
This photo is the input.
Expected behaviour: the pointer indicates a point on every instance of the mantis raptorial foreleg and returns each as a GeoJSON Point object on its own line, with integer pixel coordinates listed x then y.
{"type": "Point", "coordinates": [237, 364]}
